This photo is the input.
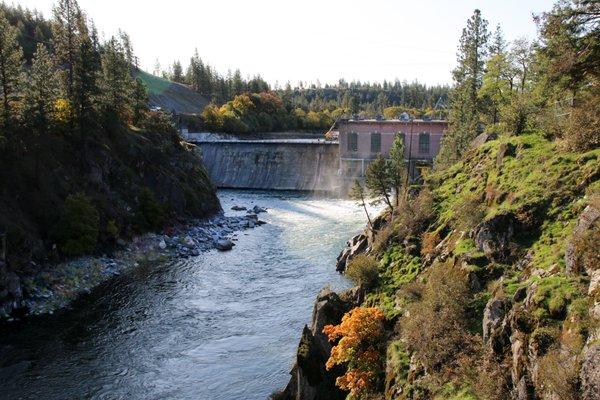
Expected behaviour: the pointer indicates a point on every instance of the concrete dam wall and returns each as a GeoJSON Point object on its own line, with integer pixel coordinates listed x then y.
{"type": "Point", "coordinates": [295, 164]}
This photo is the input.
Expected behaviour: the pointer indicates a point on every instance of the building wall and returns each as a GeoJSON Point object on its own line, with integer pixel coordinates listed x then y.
{"type": "Point", "coordinates": [388, 129]}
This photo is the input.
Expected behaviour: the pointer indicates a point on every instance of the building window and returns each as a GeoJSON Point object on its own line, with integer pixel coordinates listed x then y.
{"type": "Point", "coordinates": [352, 141]}
{"type": "Point", "coordinates": [424, 143]}
{"type": "Point", "coordinates": [375, 142]}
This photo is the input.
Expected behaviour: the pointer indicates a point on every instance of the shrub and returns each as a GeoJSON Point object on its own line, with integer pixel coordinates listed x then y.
{"type": "Point", "coordinates": [586, 247]}
{"type": "Point", "coordinates": [467, 213]}
{"type": "Point", "coordinates": [112, 229]}
{"type": "Point", "coordinates": [360, 337]}
{"type": "Point", "coordinates": [436, 327]}
{"type": "Point", "coordinates": [558, 374]}
{"type": "Point", "coordinates": [362, 270]}
{"type": "Point", "coordinates": [492, 381]}
{"type": "Point", "coordinates": [429, 240]}
{"type": "Point", "coordinates": [77, 230]}
{"type": "Point", "coordinates": [150, 215]}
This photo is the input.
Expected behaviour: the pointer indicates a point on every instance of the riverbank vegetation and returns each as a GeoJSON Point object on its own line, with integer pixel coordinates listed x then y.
{"type": "Point", "coordinates": [83, 162]}
{"type": "Point", "coordinates": [489, 288]}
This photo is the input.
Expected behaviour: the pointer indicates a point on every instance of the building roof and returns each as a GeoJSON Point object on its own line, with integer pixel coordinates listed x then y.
{"type": "Point", "coordinates": [393, 121]}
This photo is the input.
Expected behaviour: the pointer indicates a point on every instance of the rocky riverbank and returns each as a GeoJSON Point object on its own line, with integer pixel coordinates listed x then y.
{"type": "Point", "coordinates": [55, 286]}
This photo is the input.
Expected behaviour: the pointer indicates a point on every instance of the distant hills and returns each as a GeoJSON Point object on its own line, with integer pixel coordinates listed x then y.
{"type": "Point", "coordinates": [172, 96]}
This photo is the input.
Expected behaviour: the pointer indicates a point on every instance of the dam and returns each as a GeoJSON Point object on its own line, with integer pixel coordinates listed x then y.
{"type": "Point", "coordinates": [302, 164]}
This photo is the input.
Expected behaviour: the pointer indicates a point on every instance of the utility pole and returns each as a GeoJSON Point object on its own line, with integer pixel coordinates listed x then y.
{"type": "Point", "coordinates": [409, 152]}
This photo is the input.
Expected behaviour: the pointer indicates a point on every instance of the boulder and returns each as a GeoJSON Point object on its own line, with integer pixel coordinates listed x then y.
{"type": "Point", "coordinates": [224, 244]}
{"type": "Point", "coordinates": [189, 242]}
{"type": "Point", "coordinates": [493, 237]}
{"type": "Point", "coordinates": [162, 244]}
{"type": "Point", "coordinates": [483, 138]}
{"type": "Point", "coordinates": [588, 218]}
{"type": "Point", "coordinates": [238, 208]}
{"type": "Point", "coordinates": [257, 210]}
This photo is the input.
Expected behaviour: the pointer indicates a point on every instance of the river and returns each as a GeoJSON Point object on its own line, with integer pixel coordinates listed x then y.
{"type": "Point", "coordinates": [215, 326]}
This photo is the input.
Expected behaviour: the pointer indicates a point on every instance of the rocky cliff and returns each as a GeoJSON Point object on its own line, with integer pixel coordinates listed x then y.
{"type": "Point", "coordinates": [489, 279]}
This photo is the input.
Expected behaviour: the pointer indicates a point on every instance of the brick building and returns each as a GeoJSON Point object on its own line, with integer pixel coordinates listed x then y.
{"type": "Point", "coordinates": [360, 141]}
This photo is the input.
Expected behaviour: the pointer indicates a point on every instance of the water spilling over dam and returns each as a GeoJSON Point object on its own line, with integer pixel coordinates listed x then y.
{"type": "Point", "coordinates": [278, 164]}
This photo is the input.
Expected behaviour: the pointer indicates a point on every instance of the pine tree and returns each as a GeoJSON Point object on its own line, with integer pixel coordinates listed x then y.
{"type": "Point", "coordinates": [465, 106]}
{"type": "Point", "coordinates": [116, 82]}
{"type": "Point", "coordinates": [66, 40]}
{"type": "Point", "coordinates": [237, 86]}
{"type": "Point", "coordinates": [397, 167]}
{"type": "Point", "coordinates": [139, 100]}
{"type": "Point", "coordinates": [177, 75]}
{"type": "Point", "coordinates": [85, 83]}
{"type": "Point", "coordinates": [11, 65]}
{"type": "Point", "coordinates": [42, 90]}
{"type": "Point", "coordinates": [378, 182]}
{"type": "Point", "coordinates": [41, 94]}
{"type": "Point", "coordinates": [357, 192]}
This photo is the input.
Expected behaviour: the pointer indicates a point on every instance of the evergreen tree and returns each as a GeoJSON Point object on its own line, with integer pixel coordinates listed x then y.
{"type": "Point", "coordinates": [11, 64]}
{"type": "Point", "coordinates": [237, 86]}
{"type": "Point", "coordinates": [139, 100]}
{"type": "Point", "coordinates": [465, 106]}
{"type": "Point", "coordinates": [66, 40]}
{"type": "Point", "coordinates": [357, 192]}
{"type": "Point", "coordinates": [85, 84]}
{"type": "Point", "coordinates": [378, 182]}
{"type": "Point", "coordinates": [117, 84]}
{"type": "Point", "coordinates": [397, 168]}
{"type": "Point", "coordinates": [41, 92]}
{"type": "Point", "coordinates": [177, 74]}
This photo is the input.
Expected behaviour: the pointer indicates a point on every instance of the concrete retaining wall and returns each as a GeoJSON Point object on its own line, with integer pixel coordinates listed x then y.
{"type": "Point", "coordinates": [272, 165]}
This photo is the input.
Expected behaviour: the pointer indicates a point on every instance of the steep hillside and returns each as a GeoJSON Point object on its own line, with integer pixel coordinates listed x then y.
{"type": "Point", "coordinates": [484, 286]}
{"type": "Point", "coordinates": [132, 183]}
{"type": "Point", "coordinates": [172, 96]}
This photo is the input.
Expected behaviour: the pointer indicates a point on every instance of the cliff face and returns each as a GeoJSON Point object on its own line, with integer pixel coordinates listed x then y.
{"type": "Point", "coordinates": [280, 166]}
{"type": "Point", "coordinates": [489, 278]}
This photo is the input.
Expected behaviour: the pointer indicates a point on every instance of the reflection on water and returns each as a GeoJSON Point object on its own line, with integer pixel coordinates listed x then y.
{"type": "Point", "coordinates": [216, 326]}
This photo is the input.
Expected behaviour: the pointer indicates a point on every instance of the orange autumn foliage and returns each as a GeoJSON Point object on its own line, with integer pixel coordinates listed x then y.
{"type": "Point", "coordinates": [360, 335]}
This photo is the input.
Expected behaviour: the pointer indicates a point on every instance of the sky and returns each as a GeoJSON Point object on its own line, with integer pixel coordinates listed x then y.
{"type": "Point", "coordinates": [309, 40]}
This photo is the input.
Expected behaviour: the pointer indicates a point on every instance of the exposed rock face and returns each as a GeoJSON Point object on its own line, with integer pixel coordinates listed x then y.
{"type": "Point", "coordinates": [588, 218]}
{"type": "Point", "coordinates": [493, 237]}
{"type": "Point", "coordinates": [494, 328]}
{"type": "Point", "coordinates": [483, 138]}
{"type": "Point", "coordinates": [590, 373]}
{"type": "Point", "coordinates": [310, 380]}
{"type": "Point", "coordinates": [357, 245]}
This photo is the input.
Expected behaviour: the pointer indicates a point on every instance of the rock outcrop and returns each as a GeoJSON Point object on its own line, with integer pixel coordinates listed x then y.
{"type": "Point", "coordinates": [310, 379]}
{"type": "Point", "coordinates": [588, 218]}
{"type": "Point", "coordinates": [357, 245]}
{"type": "Point", "coordinates": [493, 236]}
{"type": "Point", "coordinates": [590, 372]}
